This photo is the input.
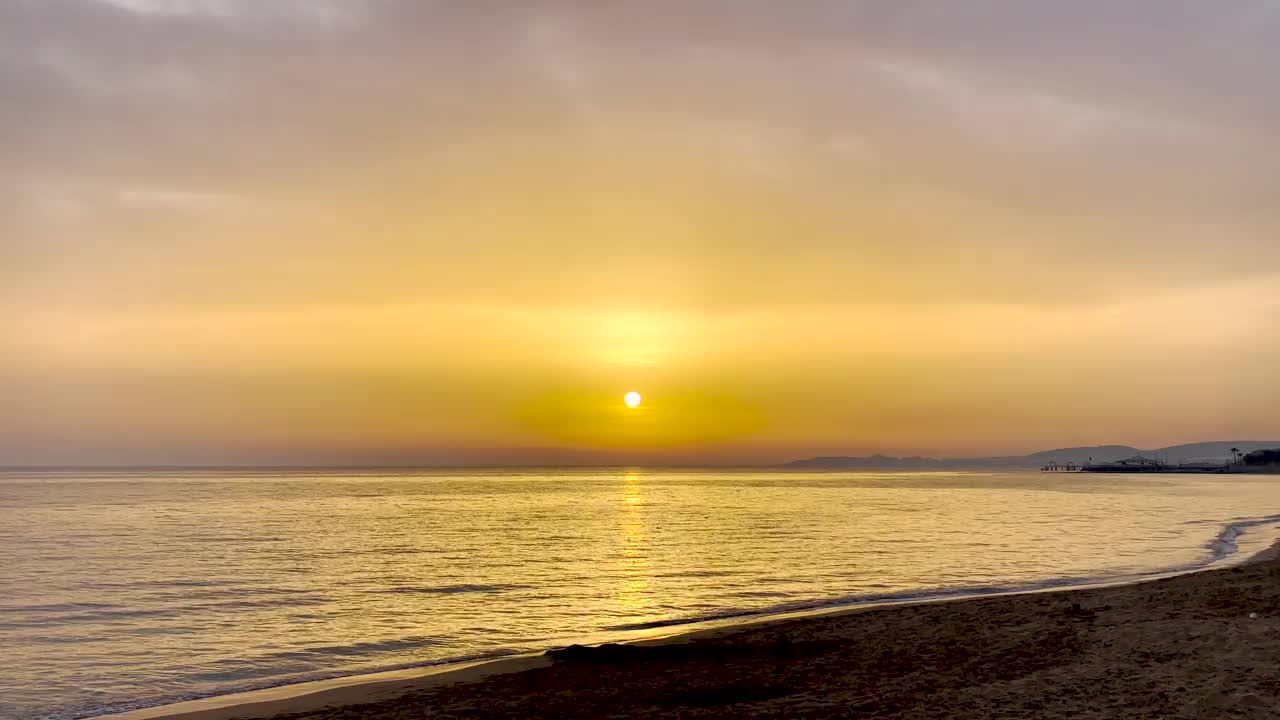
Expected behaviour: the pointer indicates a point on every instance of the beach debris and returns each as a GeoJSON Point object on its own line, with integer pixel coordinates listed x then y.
{"type": "Point", "coordinates": [783, 646]}
{"type": "Point", "coordinates": [718, 697]}
{"type": "Point", "coordinates": [608, 652]}
{"type": "Point", "coordinates": [618, 653]}
{"type": "Point", "coordinates": [1075, 611]}
{"type": "Point", "coordinates": [614, 653]}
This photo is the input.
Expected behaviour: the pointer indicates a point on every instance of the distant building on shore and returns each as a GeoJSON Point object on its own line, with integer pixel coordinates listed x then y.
{"type": "Point", "coordinates": [1137, 463]}
{"type": "Point", "coordinates": [1259, 461]}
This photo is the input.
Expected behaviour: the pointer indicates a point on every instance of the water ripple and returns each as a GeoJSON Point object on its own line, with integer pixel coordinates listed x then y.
{"type": "Point", "coordinates": [125, 589]}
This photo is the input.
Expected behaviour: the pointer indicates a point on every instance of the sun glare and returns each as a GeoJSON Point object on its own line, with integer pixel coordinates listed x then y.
{"type": "Point", "coordinates": [632, 398]}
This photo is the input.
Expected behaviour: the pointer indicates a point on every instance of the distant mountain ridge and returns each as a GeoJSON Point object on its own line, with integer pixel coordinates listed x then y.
{"type": "Point", "coordinates": [1096, 453]}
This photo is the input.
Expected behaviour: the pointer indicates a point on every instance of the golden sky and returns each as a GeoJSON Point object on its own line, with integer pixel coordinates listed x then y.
{"type": "Point", "coordinates": [409, 232]}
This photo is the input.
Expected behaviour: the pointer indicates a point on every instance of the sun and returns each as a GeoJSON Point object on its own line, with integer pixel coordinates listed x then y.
{"type": "Point", "coordinates": [632, 399]}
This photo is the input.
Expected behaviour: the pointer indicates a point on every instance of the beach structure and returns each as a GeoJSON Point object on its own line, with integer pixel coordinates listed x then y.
{"type": "Point", "coordinates": [1137, 463]}
{"type": "Point", "coordinates": [1141, 464]}
{"type": "Point", "coordinates": [1055, 466]}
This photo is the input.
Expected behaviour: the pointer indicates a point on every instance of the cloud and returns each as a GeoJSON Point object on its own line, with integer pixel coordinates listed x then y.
{"type": "Point", "coordinates": [989, 107]}
{"type": "Point", "coordinates": [321, 11]}
{"type": "Point", "coordinates": [985, 132]}
{"type": "Point", "coordinates": [1003, 164]}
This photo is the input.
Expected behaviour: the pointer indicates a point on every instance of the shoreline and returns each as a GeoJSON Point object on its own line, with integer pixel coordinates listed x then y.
{"type": "Point", "coordinates": [387, 686]}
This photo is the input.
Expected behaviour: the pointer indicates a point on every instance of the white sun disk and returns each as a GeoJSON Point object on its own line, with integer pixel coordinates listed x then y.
{"type": "Point", "coordinates": [632, 398]}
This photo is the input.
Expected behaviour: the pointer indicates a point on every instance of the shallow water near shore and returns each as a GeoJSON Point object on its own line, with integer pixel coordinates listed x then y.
{"type": "Point", "coordinates": [128, 589]}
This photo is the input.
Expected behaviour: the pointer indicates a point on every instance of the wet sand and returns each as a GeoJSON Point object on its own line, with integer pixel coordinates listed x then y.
{"type": "Point", "coordinates": [1181, 647]}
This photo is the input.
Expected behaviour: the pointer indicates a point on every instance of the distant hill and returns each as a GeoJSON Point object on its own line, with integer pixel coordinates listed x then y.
{"type": "Point", "coordinates": [877, 462]}
{"type": "Point", "coordinates": [1095, 453]}
{"type": "Point", "coordinates": [1098, 453]}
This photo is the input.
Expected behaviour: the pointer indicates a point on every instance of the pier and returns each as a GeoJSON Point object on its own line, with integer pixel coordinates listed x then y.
{"type": "Point", "coordinates": [1062, 467]}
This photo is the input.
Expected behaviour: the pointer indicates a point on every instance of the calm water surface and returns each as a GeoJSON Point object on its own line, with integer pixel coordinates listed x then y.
{"type": "Point", "coordinates": [128, 589]}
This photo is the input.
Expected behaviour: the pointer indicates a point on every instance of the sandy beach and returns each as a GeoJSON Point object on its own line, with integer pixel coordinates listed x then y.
{"type": "Point", "coordinates": [1201, 645]}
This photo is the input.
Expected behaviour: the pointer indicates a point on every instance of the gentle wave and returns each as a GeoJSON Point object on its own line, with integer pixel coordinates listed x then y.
{"type": "Point", "coordinates": [1226, 543]}
{"type": "Point", "coordinates": [1221, 547]}
{"type": "Point", "coordinates": [454, 589]}
{"type": "Point", "coordinates": [122, 707]}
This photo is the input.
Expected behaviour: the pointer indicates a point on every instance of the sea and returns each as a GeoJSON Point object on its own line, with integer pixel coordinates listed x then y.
{"type": "Point", "coordinates": [128, 589]}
